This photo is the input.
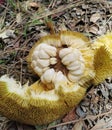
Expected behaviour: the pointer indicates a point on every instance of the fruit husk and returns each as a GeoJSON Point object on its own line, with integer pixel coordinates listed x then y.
{"type": "Point", "coordinates": [104, 40]}
{"type": "Point", "coordinates": [102, 65]}
{"type": "Point", "coordinates": [103, 57]}
{"type": "Point", "coordinates": [33, 110]}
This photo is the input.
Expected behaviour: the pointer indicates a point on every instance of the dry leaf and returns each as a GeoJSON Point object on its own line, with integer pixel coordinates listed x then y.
{"type": "Point", "coordinates": [102, 30]}
{"type": "Point", "coordinates": [78, 126]}
{"type": "Point", "coordinates": [93, 29]}
{"type": "Point", "coordinates": [95, 17]}
{"type": "Point", "coordinates": [25, 5]}
{"type": "Point", "coordinates": [7, 33]}
{"type": "Point", "coordinates": [34, 4]}
{"type": "Point", "coordinates": [2, 19]}
{"type": "Point", "coordinates": [70, 116]}
{"type": "Point", "coordinates": [19, 18]}
{"type": "Point", "coordinates": [103, 124]}
{"type": "Point", "coordinates": [80, 112]}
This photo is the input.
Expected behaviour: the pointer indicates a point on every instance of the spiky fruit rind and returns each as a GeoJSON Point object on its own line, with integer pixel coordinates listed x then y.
{"type": "Point", "coordinates": [33, 110]}
{"type": "Point", "coordinates": [102, 65]}
{"type": "Point", "coordinates": [104, 40]}
{"type": "Point", "coordinates": [103, 57]}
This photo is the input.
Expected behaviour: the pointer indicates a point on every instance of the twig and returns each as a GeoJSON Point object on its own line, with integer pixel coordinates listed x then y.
{"type": "Point", "coordinates": [59, 9]}
{"type": "Point", "coordinates": [74, 121]}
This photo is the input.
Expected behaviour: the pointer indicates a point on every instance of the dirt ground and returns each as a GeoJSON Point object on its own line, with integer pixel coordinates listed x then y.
{"type": "Point", "coordinates": [23, 22]}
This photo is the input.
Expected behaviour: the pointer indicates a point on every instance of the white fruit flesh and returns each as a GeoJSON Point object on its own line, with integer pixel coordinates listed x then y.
{"type": "Point", "coordinates": [50, 50]}
{"type": "Point", "coordinates": [45, 60]}
{"type": "Point", "coordinates": [74, 65]}
{"type": "Point", "coordinates": [43, 63]}
{"type": "Point", "coordinates": [65, 52]}
{"type": "Point", "coordinates": [43, 55]}
{"type": "Point", "coordinates": [48, 76]}
{"type": "Point", "coordinates": [60, 78]}
{"type": "Point", "coordinates": [53, 61]}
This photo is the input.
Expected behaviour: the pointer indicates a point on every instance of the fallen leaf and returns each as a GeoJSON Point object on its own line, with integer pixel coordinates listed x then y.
{"type": "Point", "coordinates": [103, 124]}
{"type": "Point", "coordinates": [80, 112]}
{"type": "Point", "coordinates": [95, 17]}
{"type": "Point", "coordinates": [70, 116]}
{"type": "Point", "coordinates": [19, 18]}
{"type": "Point", "coordinates": [108, 85]}
{"type": "Point", "coordinates": [34, 4]}
{"type": "Point", "coordinates": [2, 19]}
{"type": "Point", "coordinates": [105, 92]}
{"type": "Point", "coordinates": [78, 126]}
{"type": "Point", "coordinates": [102, 30]}
{"type": "Point", "coordinates": [93, 29]}
{"type": "Point", "coordinates": [25, 5]}
{"type": "Point", "coordinates": [7, 33]}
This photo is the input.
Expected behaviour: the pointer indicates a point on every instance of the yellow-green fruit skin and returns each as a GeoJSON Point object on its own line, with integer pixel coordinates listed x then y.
{"type": "Point", "coordinates": [35, 111]}
{"type": "Point", "coordinates": [102, 65]}
{"type": "Point", "coordinates": [102, 58]}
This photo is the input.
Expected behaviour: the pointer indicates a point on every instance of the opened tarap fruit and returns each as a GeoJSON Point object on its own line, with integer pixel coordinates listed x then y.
{"type": "Point", "coordinates": [64, 63]}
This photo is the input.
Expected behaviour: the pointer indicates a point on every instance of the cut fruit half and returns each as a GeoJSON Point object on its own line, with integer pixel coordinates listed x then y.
{"type": "Point", "coordinates": [64, 63]}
